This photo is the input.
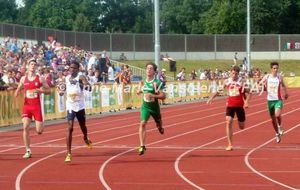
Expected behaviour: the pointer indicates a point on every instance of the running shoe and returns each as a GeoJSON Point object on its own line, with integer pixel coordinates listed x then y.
{"type": "Point", "coordinates": [278, 137]}
{"type": "Point", "coordinates": [88, 143]}
{"type": "Point", "coordinates": [27, 154]}
{"type": "Point", "coordinates": [161, 130]}
{"type": "Point", "coordinates": [68, 158]}
{"type": "Point", "coordinates": [229, 148]}
{"type": "Point", "coordinates": [142, 150]}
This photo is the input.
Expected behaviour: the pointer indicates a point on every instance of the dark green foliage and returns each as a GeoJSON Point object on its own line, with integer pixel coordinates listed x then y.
{"type": "Point", "coordinates": [176, 16]}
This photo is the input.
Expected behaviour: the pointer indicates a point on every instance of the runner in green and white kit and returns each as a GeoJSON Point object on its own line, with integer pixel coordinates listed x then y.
{"type": "Point", "coordinates": [273, 83]}
{"type": "Point", "coordinates": [152, 91]}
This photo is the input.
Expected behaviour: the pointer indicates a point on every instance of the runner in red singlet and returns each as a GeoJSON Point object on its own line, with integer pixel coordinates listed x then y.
{"type": "Point", "coordinates": [33, 85]}
{"type": "Point", "coordinates": [237, 99]}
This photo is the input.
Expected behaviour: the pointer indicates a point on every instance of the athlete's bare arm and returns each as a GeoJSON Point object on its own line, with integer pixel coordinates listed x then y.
{"type": "Point", "coordinates": [262, 84]}
{"type": "Point", "coordinates": [20, 86]}
{"type": "Point", "coordinates": [85, 82]}
{"type": "Point", "coordinates": [210, 99]}
{"type": "Point", "coordinates": [263, 80]}
{"type": "Point", "coordinates": [45, 87]}
{"type": "Point", "coordinates": [286, 95]}
{"type": "Point", "coordinates": [139, 90]}
{"type": "Point", "coordinates": [246, 100]}
{"type": "Point", "coordinates": [160, 95]}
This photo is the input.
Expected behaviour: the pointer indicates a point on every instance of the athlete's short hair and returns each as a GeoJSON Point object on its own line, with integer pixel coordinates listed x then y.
{"type": "Point", "coordinates": [274, 63]}
{"type": "Point", "coordinates": [153, 64]}
{"type": "Point", "coordinates": [236, 69]}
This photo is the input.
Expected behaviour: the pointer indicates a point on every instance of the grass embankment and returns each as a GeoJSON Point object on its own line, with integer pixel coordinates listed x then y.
{"type": "Point", "coordinates": [286, 66]}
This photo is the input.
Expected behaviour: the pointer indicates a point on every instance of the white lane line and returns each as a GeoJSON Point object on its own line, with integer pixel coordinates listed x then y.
{"type": "Point", "coordinates": [61, 182]}
{"type": "Point", "coordinates": [19, 176]}
{"type": "Point", "coordinates": [121, 127]}
{"type": "Point", "coordinates": [176, 164]}
{"type": "Point", "coordinates": [270, 171]}
{"type": "Point", "coordinates": [239, 185]}
{"type": "Point", "coordinates": [239, 172]}
{"type": "Point", "coordinates": [108, 129]}
{"type": "Point", "coordinates": [246, 160]}
{"type": "Point", "coordinates": [112, 120]}
{"type": "Point", "coordinates": [101, 171]}
{"type": "Point", "coordinates": [124, 126]}
{"type": "Point", "coordinates": [148, 183]}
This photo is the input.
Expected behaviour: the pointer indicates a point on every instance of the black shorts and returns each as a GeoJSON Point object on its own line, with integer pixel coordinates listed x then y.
{"type": "Point", "coordinates": [80, 115]}
{"type": "Point", "coordinates": [240, 113]}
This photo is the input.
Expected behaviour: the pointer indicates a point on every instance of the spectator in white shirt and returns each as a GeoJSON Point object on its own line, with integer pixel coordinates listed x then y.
{"type": "Point", "coordinates": [110, 73]}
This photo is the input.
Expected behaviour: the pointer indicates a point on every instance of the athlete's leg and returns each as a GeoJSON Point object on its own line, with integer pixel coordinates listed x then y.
{"type": "Point", "coordinates": [69, 135]}
{"type": "Point", "coordinates": [145, 115]}
{"type": "Point", "coordinates": [142, 133]}
{"type": "Point", "coordinates": [26, 127]}
{"type": "Point", "coordinates": [82, 123]}
{"type": "Point", "coordinates": [278, 115]}
{"type": "Point", "coordinates": [69, 140]}
{"type": "Point", "coordinates": [39, 126]}
{"type": "Point", "coordinates": [278, 110]}
{"type": "Point", "coordinates": [276, 128]}
{"type": "Point", "coordinates": [159, 127]}
{"type": "Point", "coordinates": [229, 118]}
{"type": "Point", "coordinates": [157, 118]}
{"type": "Point", "coordinates": [241, 115]}
{"type": "Point", "coordinates": [70, 117]}
{"type": "Point", "coordinates": [271, 108]}
{"type": "Point", "coordinates": [38, 116]}
{"type": "Point", "coordinates": [241, 125]}
{"type": "Point", "coordinates": [274, 123]}
{"type": "Point", "coordinates": [229, 131]}
{"type": "Point", "coordinates": [142, 137]}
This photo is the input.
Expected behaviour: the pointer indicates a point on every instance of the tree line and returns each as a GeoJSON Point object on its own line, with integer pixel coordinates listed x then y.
{"type": "Point", "coordinates": [137, 16]}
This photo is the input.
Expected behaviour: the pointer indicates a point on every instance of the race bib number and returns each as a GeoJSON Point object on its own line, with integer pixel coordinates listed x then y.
{"type": "Point", "coordinates": [147, 99]}
{"type": "Point", "coordinates": [233, 91]}
{"type": "Point", "coordinates": [272, 89]}
{"type": "Point", "coordinates": [31, 94]}
{"type": "Point", "coordinates": [73, 97]}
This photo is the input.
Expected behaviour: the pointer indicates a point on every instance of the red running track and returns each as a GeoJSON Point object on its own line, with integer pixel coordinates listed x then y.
{"type": "Point", "coordinates": [190, 155]}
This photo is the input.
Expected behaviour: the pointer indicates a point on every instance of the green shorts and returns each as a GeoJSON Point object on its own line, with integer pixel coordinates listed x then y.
{"type": "Point", "coordinates": [155, 113]}
{"type": "Point", "coordinates": [274, 104]}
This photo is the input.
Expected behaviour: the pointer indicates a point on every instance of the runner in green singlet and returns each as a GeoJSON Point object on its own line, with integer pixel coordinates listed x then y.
{"type": "Point", "coordinates": [152, 91]}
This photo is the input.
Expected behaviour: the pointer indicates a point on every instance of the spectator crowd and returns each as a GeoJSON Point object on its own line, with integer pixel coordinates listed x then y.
{"type": "Point", "coordinates": [54, 59]}
{"type": "Point", "coordinates": [53, 63]}
{"type": "Point", "coordinates": [209, 74]}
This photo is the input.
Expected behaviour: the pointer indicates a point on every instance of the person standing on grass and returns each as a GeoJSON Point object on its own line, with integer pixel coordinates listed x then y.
{"type": "Point", "coordinates": [235, 58]}
{"type": "Point", "coordinates": [152, 91]}
{"type": "Point", "coordinates": [273, 83]}
{"type": "Point", "coordinates": [237, 100]}
{"type": "Point", "coordinates": [75, 86]}
{"type": "Point", "coordinates": [34, 85]}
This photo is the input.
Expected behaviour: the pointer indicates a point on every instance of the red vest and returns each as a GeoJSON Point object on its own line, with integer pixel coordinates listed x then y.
{"type": "Point", "coordinates": [235, 94]}
{"type": "Point", "coordinates": [31, 97]}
